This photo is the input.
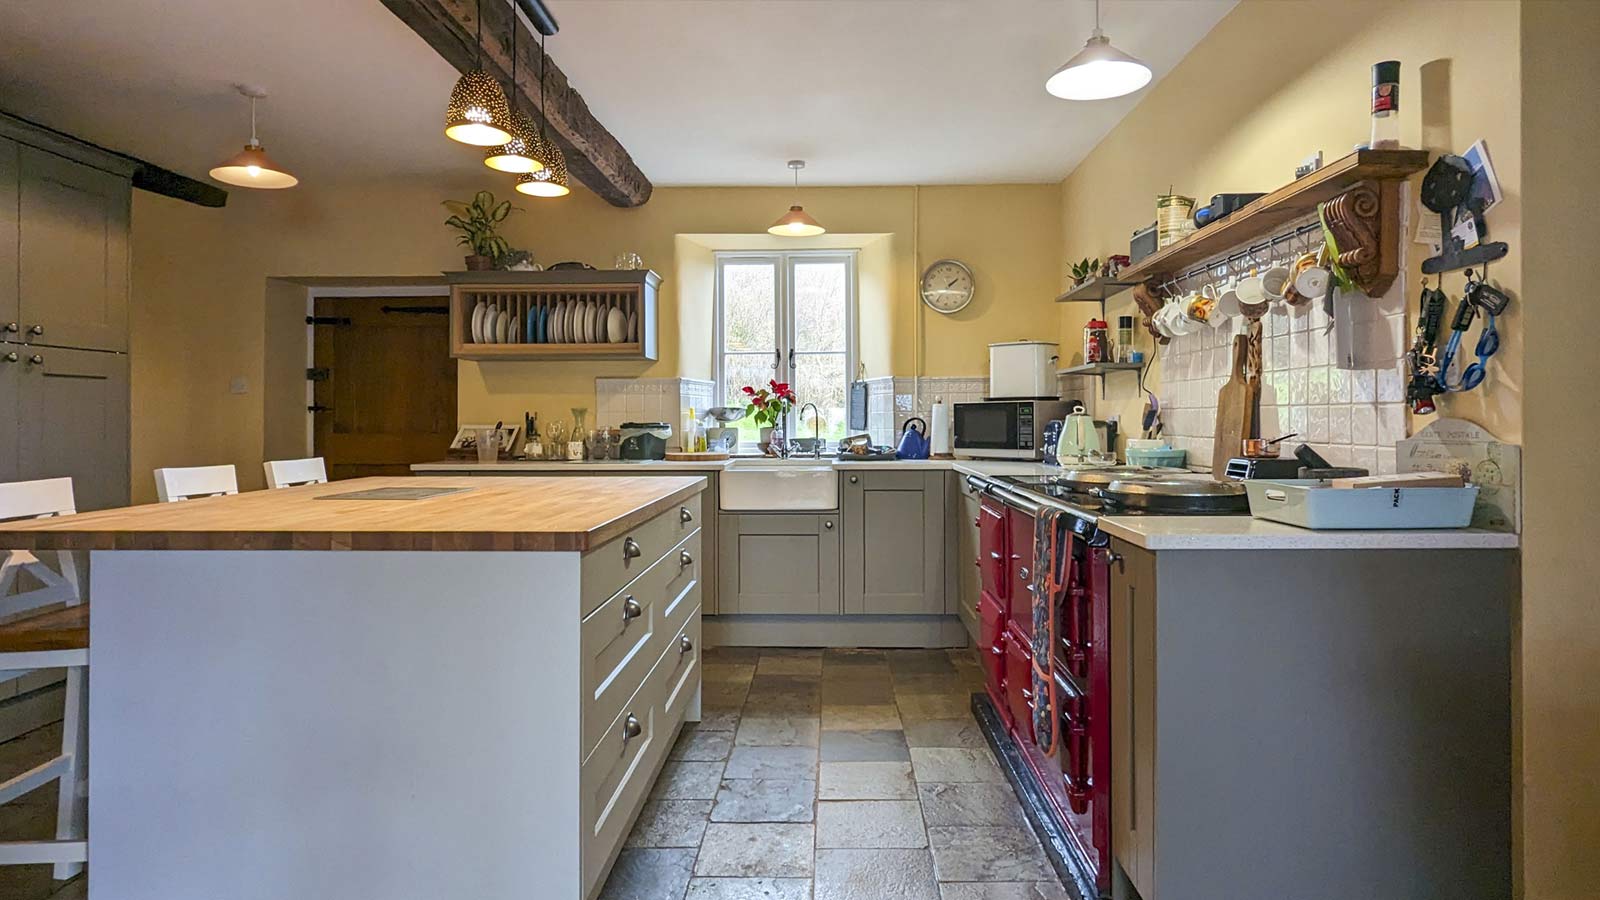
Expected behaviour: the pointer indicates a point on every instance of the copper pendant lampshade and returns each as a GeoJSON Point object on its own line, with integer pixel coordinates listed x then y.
{"type": "Point", "coordinates": [251, 167]}
{"type": "Point", "coordinates": [795, 222]}
{"type": "Point", "coordinates": [519, 155]}
{"type": "Point", "coordinates": [551, 180]}
{"type": "Point", "coordinates": [478, 113]}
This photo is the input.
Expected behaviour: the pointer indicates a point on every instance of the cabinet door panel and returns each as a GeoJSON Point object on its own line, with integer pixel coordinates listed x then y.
{"type": "Point", "coordinates": [10, 412]}
{"type": "Point", "coordinates": [73, 256]}
{"type": "Point", "coordinates": [9, 311]}
{"type": "Point", "coordinates": [894, 534]}
{"type": "Point", "coordinates": [74, 422]}
{"type": "Point", "coordinates": [966, 561]}
{"type": "Point", "coordinates": [779, 564]}
{"type": "Point", "coordinates": [1133, 718]}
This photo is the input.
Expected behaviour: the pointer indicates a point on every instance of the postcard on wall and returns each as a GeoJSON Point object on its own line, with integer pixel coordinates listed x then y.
{"type": "Point", "coordinates": [1467, 449]}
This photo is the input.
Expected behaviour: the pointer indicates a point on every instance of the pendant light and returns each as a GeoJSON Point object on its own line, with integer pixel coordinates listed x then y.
{"type": "Point", "coordinates": [517, 155]}
{"type": "Point", "coordinates": [551, 180]}
{"type": "Point", "coordinates": [1099, 71]}
{"type": "Point", "coordinates": [795, 222]}
{"type": "Point", "coordinates": [478, 113]}
{"type": "Point", "coordinates": [251, 167]}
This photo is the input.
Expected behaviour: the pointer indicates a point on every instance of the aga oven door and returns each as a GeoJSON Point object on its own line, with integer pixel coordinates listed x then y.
{"type": "Point", "coordinates": [992, 427]}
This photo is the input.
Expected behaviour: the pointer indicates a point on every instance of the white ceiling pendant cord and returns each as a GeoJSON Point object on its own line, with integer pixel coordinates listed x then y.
{"type": "Point", "coordinates": [251, 167]}
{"type": "Point", "coordinates": [1099, 71]}
{"type": "Point", "coordinates": [795, 222]}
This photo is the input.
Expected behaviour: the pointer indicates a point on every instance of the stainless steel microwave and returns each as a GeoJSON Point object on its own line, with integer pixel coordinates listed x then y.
{"type": "Point", "coordinates": [1004, 429]}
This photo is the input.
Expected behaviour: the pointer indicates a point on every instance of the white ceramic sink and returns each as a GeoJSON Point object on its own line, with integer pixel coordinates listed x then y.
{"type": "Point", "coordinates": [778, 484]}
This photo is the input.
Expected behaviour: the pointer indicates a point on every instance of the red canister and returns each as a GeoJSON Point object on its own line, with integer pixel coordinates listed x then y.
{"type": "Point", "coordinates": [1096, 342]}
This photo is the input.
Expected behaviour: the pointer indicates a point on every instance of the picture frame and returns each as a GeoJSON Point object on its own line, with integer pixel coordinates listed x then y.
{"type": "Point", "coordinates": [466, 439]}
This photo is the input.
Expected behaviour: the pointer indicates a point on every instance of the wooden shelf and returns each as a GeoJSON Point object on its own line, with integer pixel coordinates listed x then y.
{"type": "Point", "coordinates": [1270, 213]}
{"type": "Point", "coordinates": [1099, 369]}
{"type": "Point", "coordinates": [1096, 290]}
{"type": "Point", "coordinates": [518, 293]}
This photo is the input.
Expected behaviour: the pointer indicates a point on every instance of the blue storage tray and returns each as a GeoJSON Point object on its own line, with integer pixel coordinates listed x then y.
{"type": "Point", "coordinates": [1312, 504]}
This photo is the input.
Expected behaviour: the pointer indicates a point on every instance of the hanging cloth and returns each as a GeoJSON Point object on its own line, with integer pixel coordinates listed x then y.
{"type": "Point", "coordinates": [1050, 561]}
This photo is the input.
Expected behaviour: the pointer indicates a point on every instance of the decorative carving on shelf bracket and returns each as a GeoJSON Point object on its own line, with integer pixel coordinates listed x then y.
{"type": "Point", "coordinates": [1365, 222]}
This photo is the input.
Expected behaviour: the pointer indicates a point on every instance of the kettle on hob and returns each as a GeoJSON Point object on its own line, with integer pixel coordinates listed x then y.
{"type": "Point", "coordinates": [914, 443]}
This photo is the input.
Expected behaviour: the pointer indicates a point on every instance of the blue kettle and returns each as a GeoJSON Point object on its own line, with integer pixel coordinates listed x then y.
{"type": "Point", "coordinates": [914, 440]}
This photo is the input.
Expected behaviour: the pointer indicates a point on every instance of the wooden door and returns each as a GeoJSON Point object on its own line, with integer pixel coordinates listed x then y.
{"type": "Point", "coordinates": [74, 421]}
{"type": "Point", "coordinates": [779, 563]}
{"type": "Point", "coordinates": [386, 393]}
{"type": "Point", "coordinates": [73, 253]}
{"type": "Point", "coordinates": [894, 543]}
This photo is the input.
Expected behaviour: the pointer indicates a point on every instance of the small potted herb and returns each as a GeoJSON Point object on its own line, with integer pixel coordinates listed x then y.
{"type": "Point", "coordinates": [479, 222]}
{"type": "Point", "coordinates": [1083, 270]}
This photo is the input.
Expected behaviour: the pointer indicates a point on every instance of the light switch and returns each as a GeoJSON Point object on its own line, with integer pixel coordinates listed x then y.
{"type": "Point", "coordinates": [238, 385]}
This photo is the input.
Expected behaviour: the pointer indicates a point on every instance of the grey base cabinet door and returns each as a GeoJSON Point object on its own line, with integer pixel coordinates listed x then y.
{"type": "Point", "coordinates": [10, 410]}
{"type": "Point", "coordinates": [778, 564]}
{"type": "Point", "coordinates": [74, 421]}
{"type": "Point", "coordinates": [894, 553]}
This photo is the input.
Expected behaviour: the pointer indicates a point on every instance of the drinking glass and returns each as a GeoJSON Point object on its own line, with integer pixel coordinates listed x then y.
{"type": "Point", "coordinates": [488, 445]}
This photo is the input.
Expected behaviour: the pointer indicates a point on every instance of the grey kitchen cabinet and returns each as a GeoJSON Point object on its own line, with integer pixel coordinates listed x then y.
{"type": "Point", "coordinates": [10, 307]}
{"type": "Point", "coordinates": [778, 563]}
{"type": "Point", "coordinates": [894, 542]}
{"type": "Point", "coordinates": [968, 582]}
{"type": "Point", "coordinates": [72, 409]}
{"type": "Point", "coordinates": [71, 254]}
{"type": "Point", "coordinates": [11, 410]}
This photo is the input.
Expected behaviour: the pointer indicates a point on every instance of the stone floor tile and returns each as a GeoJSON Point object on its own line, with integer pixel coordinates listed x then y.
{"type": "Point", "coordinates": [1003, 890]}
{"type": "Point", "coordinates": [839, 692]}
{"type": "Point", "coordinates": [933, 706]}
{"type": "Point", "coordinates": [747, 851]}
{"type": "Point", "coordinates": [870, 825]}
{"type": "Point", "coordinates": [649, 874]}
{"type": "Point", "coordinates": [733, 654]}
{"type": "Point", "coordinates": [853, 656]}
{"type": "Point", "coordinates": [963, 732]}
{"type": "Point", "coordinates": [749, 889]}
{"type": "Point", "coordinates": [670, 823]}
{"type": "Point", "coordinates": [875, 875]}
{"type": "Point", "coordinates": [765, 800]}
{"type": "Point", "coordinates": [987, 853]}
{"type": "Point", "coordinates": [865, 746]}
{"type": "Point", "coordinates": [784, 703]}
{"type": "Point", "coordinates": [699, 745]}
{"type": "Point", "coordinates": [951, 764]}
{"type": "Point", "coordinates": [772, 762]}
{"type": "Point", "coordinates": [789, 665]}
{"type": "Point", "coordinates": [777, 731]}
{"type": "Point", "coordinates": [718, 720]}
{"type": "Point", "coordinates": [941, 683]}
{"type": "Point", "coordinates": [866, 781]}
{"type": "Point", "coordinates": [860, 718]}
{"type": "Point", "coordinates": [970, 804]}
{"type": "Point", "coordinates": [682, 780]}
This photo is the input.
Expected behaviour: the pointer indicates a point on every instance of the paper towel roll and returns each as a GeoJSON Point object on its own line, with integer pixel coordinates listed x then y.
{"type": "Point", "coordinates": [942, 442]}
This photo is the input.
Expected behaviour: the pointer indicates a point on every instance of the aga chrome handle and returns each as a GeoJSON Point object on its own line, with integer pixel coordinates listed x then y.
{"type": "Point", "coordinates": [1023, 571]}
{"type": "Point", "coordinates": [684, 515]}
{"type": "Point", "coordinates": [1112, 557]}
{"type": "Point", "coordinates": [10, 357]}
{"type": "Point", "coordinates": [685, 559]}
{"type": "Point", "coordinates": [684, 644]}
{"type": "Point", "coordinates": [631, 549]}
{"type": "Point", "coordinates": [631, 728]}
{"type": "Point", "coordinates": [631, 609]}
{"type": "Point", "coordinates": [36, 329]}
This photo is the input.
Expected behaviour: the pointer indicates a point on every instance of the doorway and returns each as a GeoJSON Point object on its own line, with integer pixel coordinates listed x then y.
{"type": "Point", "coordinates": [383, 383]}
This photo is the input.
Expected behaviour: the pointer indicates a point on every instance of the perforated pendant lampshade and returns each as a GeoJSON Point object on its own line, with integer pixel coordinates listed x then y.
{"type": "Point", "coordinates": [478, 113]}
{"type": "Point", "coordinates": [550, 181]}
{"type": "Point", "coordinates": [521, 154]}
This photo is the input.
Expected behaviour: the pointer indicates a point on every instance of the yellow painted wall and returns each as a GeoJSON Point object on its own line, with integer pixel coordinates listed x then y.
{"type": "Point", "coordinates": [1560, 650]}
{"type": "Point", "coordinates": [1213, 125]}
{"type": "Point", "coordinates": [200, 287]}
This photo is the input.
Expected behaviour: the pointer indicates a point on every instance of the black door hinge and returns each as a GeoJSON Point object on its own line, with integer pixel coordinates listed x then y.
{"type": "Point", "coordinates": [327, 320]}
{"type": "Point", "coordinates": [419, 310]}
{"type": "Point", "coordinates": [318, 407]}
{"type": "Point", "coordinates": [317, 374]}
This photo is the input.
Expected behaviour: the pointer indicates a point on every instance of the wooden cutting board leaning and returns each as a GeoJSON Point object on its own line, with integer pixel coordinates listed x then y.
{"type": "Point", "coordinates": [1236, 409]}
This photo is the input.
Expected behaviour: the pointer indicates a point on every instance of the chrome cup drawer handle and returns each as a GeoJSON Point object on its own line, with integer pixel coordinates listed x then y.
{"type": "Point", "coordinates": [684, 515]}
{"type": "Point", "coordinates": [684, 644]}
{"type": "Point", "coordinates": [631, 549]}
{"type": "Point", "coordinates": [631, 609]}
{"type": "Point", "coordinates": [685, 558]}
{"type": "Point", "coordinates": [631, 728]}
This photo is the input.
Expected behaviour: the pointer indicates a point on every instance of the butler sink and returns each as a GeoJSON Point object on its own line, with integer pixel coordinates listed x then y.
{"type": "Point", "coordinates": [778, 485]}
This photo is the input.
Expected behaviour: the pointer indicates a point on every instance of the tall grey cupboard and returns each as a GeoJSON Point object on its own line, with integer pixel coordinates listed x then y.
{"type": "Point", "coordinates": [64, 270]}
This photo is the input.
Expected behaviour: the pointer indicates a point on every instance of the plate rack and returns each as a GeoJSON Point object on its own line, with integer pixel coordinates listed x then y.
{"type": "Point", "coordinates": [491, 314]}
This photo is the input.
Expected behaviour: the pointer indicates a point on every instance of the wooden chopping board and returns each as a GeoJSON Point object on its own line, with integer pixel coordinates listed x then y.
{"type": "Point", "coordinates": [696, 456]}
{"type": "Point", "coordinates": [1236, 409]}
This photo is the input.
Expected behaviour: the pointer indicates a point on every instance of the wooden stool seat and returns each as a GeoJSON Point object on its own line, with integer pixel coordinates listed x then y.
{"type": "Point", "coordinates": [64, 628]}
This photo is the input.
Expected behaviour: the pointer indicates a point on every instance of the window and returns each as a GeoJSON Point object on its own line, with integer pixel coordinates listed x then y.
{"type": "Point", "coordinates": [789, 317]}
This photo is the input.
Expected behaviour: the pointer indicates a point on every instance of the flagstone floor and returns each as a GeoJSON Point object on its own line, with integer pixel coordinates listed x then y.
{"type": "Point", "coordinates": [834, 775]}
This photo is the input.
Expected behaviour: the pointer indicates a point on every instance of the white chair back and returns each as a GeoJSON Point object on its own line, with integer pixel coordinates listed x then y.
{"type": "Point", "coordinates": [41, 499]}
{"type": "Point", "coordinates": [195, 481]}
{"type": "Point", "coordinates": [37, 499]}
{"type": "Point", "coordinates": [282, 473]}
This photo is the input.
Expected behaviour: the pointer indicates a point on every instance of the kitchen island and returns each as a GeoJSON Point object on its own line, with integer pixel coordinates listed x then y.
{"type": "Point", "coordinates": [386, 687]}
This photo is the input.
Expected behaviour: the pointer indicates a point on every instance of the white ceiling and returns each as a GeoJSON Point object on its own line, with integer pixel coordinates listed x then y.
{"type": "Point", "coordinates": [713, 92]}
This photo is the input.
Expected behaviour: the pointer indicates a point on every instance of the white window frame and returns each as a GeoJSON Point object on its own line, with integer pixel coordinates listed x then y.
{"type": "Point", "coordinates": [783, 264]}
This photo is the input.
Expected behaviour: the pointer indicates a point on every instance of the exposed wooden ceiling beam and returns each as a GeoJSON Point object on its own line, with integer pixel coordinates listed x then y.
{"type": "Point", "coordinates": [594, 156]}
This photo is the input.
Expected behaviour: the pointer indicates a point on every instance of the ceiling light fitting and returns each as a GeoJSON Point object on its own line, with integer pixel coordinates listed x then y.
{"type": "Point", "coordinates": [795, 222]}
{"type": "Point", "coordinates": [551, 179]}
{"type": "Point", "coordinates": [1099, 71]}
{"type": "Point", "coordinates": [251, 167]}
{"type": "Point", "coordinates": [519, 155]}
{"type": "Point", "coordinates": [478, 113]}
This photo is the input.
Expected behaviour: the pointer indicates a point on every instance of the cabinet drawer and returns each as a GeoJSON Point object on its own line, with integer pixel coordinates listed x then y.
{"type": "Point", "coordinates": [608, 567]}
{"type": "Point", "coordinates": [618, 774]}
{"type": "Point", "coordinates": [680, 670]}
{"type": "Point", "coordinates": [622, 639]}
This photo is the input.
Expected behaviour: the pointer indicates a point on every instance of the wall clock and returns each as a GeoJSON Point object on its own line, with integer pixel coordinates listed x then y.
{"type": "Point", "coordinates": [947, 286]}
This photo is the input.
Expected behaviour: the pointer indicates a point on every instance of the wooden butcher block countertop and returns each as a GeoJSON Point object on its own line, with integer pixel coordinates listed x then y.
{"type": "Point", "coordinates": [515, 513]}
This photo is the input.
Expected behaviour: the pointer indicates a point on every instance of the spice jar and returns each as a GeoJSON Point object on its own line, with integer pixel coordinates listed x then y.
{"type": "Point", "coordinates": [1124, 337]}
{"type": "Point", "coordinates": [1096, 340]}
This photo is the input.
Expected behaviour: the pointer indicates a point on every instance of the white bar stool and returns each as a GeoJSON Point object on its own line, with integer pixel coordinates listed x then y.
{"type": "Point", "coordinates": [195, 481]}
{"type": "Point", "coordinates": [56, 637]}
{"type": "Point", "coordinates": [282, 473]}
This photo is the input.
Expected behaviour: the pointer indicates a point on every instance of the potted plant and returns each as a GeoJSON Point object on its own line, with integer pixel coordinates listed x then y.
{"type": "Point", "coordinates": [478, 222]}
{"type": "Point", "coordinates": [1083, 270]}
{"type": "Point", "coordinates": [769, 406]}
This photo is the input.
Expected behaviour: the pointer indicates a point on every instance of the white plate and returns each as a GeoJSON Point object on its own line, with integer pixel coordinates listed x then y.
{"type": "Point", "coordinates": [597, 315]}
{"type": "Point", "coordinates": [588, 322]}
{"type": "Point", "coordinates": [515, 331]}
{"type": "Point", "coordinates": [477, 321]}
{"type": "Point", "coordinates": [488, 325]}
{"type": "Point", "coordinates": [633, 327]}
{"type": "Point", "coordinates": [616, 326]}
{"type": "Point", "coordinates": [556, 315]}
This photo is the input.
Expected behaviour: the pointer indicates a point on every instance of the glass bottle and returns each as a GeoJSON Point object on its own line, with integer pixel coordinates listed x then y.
{"type": "Point", "coordinates": [1385, 105]}
{"type": "Point", "coordinates": [575, 444]}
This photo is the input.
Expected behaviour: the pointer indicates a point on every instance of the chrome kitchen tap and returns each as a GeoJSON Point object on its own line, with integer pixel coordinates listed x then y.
{"type": "Point", "coordinates": [816, 428]}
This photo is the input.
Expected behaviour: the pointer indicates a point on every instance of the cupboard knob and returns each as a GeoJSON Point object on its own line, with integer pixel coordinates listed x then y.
{"type": "Point", "coordinates": [684, 515]}
{"type": "Point", "coordinates": [630, 549]}
{"type": "Point", "coordinates": [685, 558]}
{"type": "Point", "coordinates": [37, 329]}
{"type": "Point", "coordinates": [11, 357]}
{"type": "Point", "coordinates": [684, 644]}
{"type": "Point", "coordinates": [828, 525]}
{"type": "Point", "coordinates": [36, 359]}
{"type": "Point", "coordinates": [854, 479]}
{"type": "Point", "coordinates": [631, 728]}
{"type": "Point", "coordinates": [11, 327]}
{"type": "Point", "coordinates": [631, 609]}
